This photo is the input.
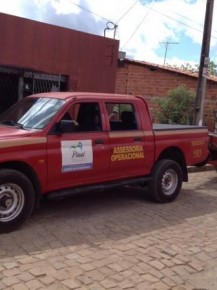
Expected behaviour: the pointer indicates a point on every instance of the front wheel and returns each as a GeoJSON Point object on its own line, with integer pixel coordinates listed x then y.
{"type": "Point", "coordinates": [17, 199]}
{"type": "Point", "coordinates": [167, 181]}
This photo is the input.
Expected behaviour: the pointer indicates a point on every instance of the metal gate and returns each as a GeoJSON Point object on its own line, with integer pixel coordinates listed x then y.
{"type": "Point", "coordinates": [9, 82]}
{"type": "Point", "coordinates": [40, 82]}
{"type": "Point", "coordinates": [16, 84]}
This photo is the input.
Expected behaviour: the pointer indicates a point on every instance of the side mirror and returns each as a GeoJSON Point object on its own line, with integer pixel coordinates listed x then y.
{"type": "Point", "coordinates": [67, 126]}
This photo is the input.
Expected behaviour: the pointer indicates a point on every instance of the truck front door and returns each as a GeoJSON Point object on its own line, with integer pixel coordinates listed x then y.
{"type": "Point", "coordinates": [81, 155]}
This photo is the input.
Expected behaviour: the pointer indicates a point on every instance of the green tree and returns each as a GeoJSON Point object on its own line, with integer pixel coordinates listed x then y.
{"type": "Point", "coordinates": [177, 107]}
{"type": "Point", "coordinates": [195, 68]}
{"type": "Point", "coordinates": [189, 67]}
{"type": "Point", "coordinates": [212, 68]}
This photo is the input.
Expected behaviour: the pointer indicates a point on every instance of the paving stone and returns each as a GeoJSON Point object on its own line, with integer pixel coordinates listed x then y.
{"type": "Point", "coordinates": [100, 263]}
{"type": "Point", "coordinates": [150, 278]}
{"type": "Point", "coordinates": [84, 280]}
{"type": "Point", "coordinates": [145, 267]}
{"type": "Point", "coordinates": [97, 276]}
{"type": "Point", "coordinates": [156, 264]}
{"type": "Point", "coordinates": [179, 287]}
{"type": "Point", "coordinates": [127, 284]}
{"type": "Point", "coordinates": [159, 286]}
{"type": "Point", "coordinates": [2, 286]}
{"type": "Point", "coordinates": [11, 272]}
{"type": "Point", "coordinates": [20, 286]}
{"type": "Point", "coordinates": [117, 277]}
{"type": "Point", "coordinates": [167, 263]}
{"type": "Point", "coordinates": [64, 274]}
{"type": "Point", "coordinates": [177, 279]}
{"type": "Point", "coordinates": [169, 282]}
{"type": "Point", "coordinates": [87, 267]}
{"type": "Point", "coordinates": [196, 265]}
{"type": "Point", "coordinates": [37, 272]}
{"type": "Point", "coordinates": [47, 280]}
{"type": "Point", "coordinates": [85, 252]}
{"type": "Point", "coordinates": [10, 265]}
{"type": "Point", "coordinates": [117, 241]}
{"type": "Point", "coordinates": [9, 281]}
{"type": "Point", "coordinates": [177, 261]}
{"type": "Point", "coordinates": [34, 284]}
{"type": "Point", "coordinates": [73, 271]}
{"type": "Point", "coordinates": [156, 273]}
{"type": "Point", "coordinates": [108, 284]}
{"type": "Point", "coordinates": [72, 256]}
{"type": "Point", "coordinates": [70, 283]}
{"type": "Point", "coordinates": [143, 286]}
{"type": "Point", "coordinates": [58, 265]}
{"type": "Point", "coordinates": [106, 271]}
{"type": "Point", "coordinates": [116, 267]}
{"type": "Point", "coordinates": [28, 260]}
{"type": "Point", "coordinates": [94, 286]}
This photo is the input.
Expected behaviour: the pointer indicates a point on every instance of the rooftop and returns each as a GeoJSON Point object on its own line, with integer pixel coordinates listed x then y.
{"type": "Point", "coordinates": [169, 68]}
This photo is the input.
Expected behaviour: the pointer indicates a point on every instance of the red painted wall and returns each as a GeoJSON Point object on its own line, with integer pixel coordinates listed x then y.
{"type": "Point", "coordinates": [87, 58]}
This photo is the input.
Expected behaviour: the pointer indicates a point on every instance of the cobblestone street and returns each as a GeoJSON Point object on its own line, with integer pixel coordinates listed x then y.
{"type": "Point", "coordinates": [117, 240]}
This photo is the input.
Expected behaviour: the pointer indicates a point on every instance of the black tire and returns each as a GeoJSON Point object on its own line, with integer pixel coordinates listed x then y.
{"type": "Point", "coordinates": [167, 181]}
{"type": "Point", "coordinates": [17, 199]}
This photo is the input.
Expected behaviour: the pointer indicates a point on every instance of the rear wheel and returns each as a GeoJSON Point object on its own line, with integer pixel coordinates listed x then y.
{"type": "Point", "coordinates": [167, 181]}
{"type": "Point", "coordinates": [17, 199]}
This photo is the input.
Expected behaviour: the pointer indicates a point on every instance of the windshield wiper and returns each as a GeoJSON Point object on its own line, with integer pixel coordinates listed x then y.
{"type": "Point", "coordinates": [12, 123]}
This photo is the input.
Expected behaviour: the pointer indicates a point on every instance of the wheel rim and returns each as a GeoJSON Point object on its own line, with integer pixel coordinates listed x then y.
{"type": "Point", "coordinates": [11, 201]}
{"type": "Point", "coordinates": [169, 182]}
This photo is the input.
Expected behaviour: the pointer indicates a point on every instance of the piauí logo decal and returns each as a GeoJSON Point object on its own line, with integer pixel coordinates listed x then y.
{"type": "Point", "coordinates": [78, 145]}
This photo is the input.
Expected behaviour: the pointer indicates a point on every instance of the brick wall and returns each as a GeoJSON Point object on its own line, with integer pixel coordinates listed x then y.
{"type": "Point", "coordinates": [154, 82]}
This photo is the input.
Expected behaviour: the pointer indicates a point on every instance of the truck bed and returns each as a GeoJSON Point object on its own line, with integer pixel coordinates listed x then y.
{"type": "Point", "coordinates": [163, 127]}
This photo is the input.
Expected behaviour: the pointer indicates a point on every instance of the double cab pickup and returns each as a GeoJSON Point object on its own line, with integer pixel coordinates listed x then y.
{"type": "Point", "coordinates": [60, 143]}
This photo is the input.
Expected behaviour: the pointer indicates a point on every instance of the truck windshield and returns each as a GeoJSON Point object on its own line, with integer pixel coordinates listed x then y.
{"type": "Point", "coordinates": [31, 113]}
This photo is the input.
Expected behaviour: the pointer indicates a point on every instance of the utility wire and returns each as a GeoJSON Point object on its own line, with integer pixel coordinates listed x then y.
{"type": "Point", "coordinates": [127, 11]}
{"type": "Point", "coordinates": [200, 24]}
{"type": "Point", "coordinates": [176, 20]}
{"type": "Point", "coordinates": [137, 27]}
{"type": "Point", "coordinates": [183, 23]}
{"type": "Point", "coordinates": [150, 8]}
{"type": "Point", "coordinates": [87, 10]}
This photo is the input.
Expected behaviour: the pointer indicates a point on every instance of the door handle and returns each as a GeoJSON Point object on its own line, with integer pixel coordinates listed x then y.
{"type": "Point", "coordinates": [138, 139]}
{"type": "Point", "coordinates": [99, 141]}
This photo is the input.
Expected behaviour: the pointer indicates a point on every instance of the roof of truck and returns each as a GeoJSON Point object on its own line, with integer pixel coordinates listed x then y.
{"type": "Point", "coordinates": [69, 95]}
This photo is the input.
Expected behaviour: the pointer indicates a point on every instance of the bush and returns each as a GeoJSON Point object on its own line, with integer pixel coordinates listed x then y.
{"type": "Point", "coordinates": [178, 107]}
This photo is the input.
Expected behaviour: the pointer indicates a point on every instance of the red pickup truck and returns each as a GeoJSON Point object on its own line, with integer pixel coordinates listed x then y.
{"type": "Point", "coordinates": [57, 144]}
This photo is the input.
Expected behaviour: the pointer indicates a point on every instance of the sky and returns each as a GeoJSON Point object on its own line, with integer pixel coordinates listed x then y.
{"type": "Point", "coordinates": [157, 31]}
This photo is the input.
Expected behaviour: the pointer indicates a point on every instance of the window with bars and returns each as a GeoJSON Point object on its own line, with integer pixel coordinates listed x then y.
{"type": "Point", "coordinates": [16, 84]}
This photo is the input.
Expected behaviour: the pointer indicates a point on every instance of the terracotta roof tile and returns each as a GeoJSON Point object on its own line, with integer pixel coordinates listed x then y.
{"type": "Point", "coordinates": [169, 68]}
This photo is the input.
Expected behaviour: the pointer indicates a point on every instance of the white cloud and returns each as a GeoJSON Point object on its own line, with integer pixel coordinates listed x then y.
{"type": "Point", "coordinates": [141, 27]}
{"type": "Point", "coordinates": [144, 27]}
{"type": "Point", "coordinates": [66, 6]}
{"type": "Point", "coordinates": [159, 25]}
{"type": "Point", "coordinates": [12, 7]}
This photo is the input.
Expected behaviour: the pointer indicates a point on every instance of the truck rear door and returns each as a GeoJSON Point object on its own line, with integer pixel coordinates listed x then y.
{"type": "Point", "coordinates": [127, 140]}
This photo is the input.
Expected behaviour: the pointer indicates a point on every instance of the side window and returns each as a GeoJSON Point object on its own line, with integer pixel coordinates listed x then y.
{"type": "Point", "coordinates": [81, 117]}
{"type": "Point", "coordinates": [88, 117]}
{"type": "Point", "coordinates": [121, 116]}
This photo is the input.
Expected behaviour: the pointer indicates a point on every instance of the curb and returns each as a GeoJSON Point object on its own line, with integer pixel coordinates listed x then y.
{"type": "Point", "coordinates": [207, 167]}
